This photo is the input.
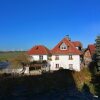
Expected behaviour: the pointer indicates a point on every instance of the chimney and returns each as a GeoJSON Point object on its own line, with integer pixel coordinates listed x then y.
{"type": "Point", "coordinates": [67, 36]}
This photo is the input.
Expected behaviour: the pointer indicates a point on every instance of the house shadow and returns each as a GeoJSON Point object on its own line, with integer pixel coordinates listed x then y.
{"type": "Point", "coordinates": [58, 85]}
{"type": "Point", "coordinates": [39, 87]}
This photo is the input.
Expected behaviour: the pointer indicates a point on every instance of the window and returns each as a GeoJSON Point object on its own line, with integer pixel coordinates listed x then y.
{"type": "Point", "coordinates": [63, 46]}
{"type": "Point", "coordinates": [57, 65]}
{"type": "Point", "coordinates": [50, 58]}
{"type": "Point", "coordinates": [56, 57]}
{"type": "Point", "coordinates": [70, 57]}
{"type": "Point", "coordinates": [71, 66]}
{"type": "Point", "coordinates": [41, 57]}
{"type": "Point", "coordinates": [76, 47]}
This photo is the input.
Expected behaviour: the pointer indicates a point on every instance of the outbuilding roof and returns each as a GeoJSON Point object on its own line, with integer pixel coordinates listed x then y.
{"type": "Point", "coordinates": [39, 50]}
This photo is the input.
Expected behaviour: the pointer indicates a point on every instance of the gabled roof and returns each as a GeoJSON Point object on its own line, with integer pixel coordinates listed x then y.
{"type": "Point", "coordinates": [39, 50]}
{"type": "Point", "coordinates": [71, 48]}
{"type": "Point", "coordinates": [91, 48]}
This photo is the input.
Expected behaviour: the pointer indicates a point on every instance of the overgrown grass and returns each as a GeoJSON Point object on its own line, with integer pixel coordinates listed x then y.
{"type": "Point", "coordinates": [84, 77]}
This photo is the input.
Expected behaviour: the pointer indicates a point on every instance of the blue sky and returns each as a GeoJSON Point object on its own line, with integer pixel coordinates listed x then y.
{"type": "Point", "coordinates": [25, 23]}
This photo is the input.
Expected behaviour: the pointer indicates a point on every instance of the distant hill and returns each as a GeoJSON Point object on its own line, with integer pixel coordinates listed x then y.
{"type": "Point", "coordinates": [7, 55]}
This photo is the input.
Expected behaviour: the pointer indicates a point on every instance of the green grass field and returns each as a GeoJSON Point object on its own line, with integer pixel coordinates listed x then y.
{"type": "Point", "coordinates": [9, 55]}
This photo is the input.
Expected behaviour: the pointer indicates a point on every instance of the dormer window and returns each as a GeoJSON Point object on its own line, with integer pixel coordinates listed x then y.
{"type": "Point", "coordinates": [63, 46]}
{"type": "Point", "coordinates": [77, 48]}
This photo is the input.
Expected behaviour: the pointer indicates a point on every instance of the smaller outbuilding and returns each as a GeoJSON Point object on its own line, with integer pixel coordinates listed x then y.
{"type": "Point", "coordinates": [39, 53]}
{"type": "Point", "coordinates": [89, 54]}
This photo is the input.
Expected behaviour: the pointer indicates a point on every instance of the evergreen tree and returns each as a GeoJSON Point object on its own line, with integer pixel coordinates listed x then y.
{"type": "Point", "coordinates": [98, 53]}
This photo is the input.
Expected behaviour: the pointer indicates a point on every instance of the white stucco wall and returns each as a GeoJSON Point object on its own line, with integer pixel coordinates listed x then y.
{"type": "Point", "coordinates": [36, 57]}
{"type": "Point", "coordinates": [64, 62]}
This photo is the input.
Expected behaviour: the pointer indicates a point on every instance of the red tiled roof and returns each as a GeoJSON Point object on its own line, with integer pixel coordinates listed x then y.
{"type": "Point", "coordinates": [92, 48]}
{"type": "Point", "coordinates": [71, 48]}
{"type": "Point", "coordinates": [39, 50]}
{"type": "Point", "coordinates": [77, 44]}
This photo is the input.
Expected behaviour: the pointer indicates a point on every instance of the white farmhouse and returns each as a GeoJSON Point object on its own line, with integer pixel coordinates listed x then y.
{"type": "Point", "coordinates": [66, 54]}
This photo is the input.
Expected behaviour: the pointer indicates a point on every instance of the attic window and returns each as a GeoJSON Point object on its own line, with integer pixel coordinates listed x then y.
{"type": "Point", "coordinates": [63, 46]}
